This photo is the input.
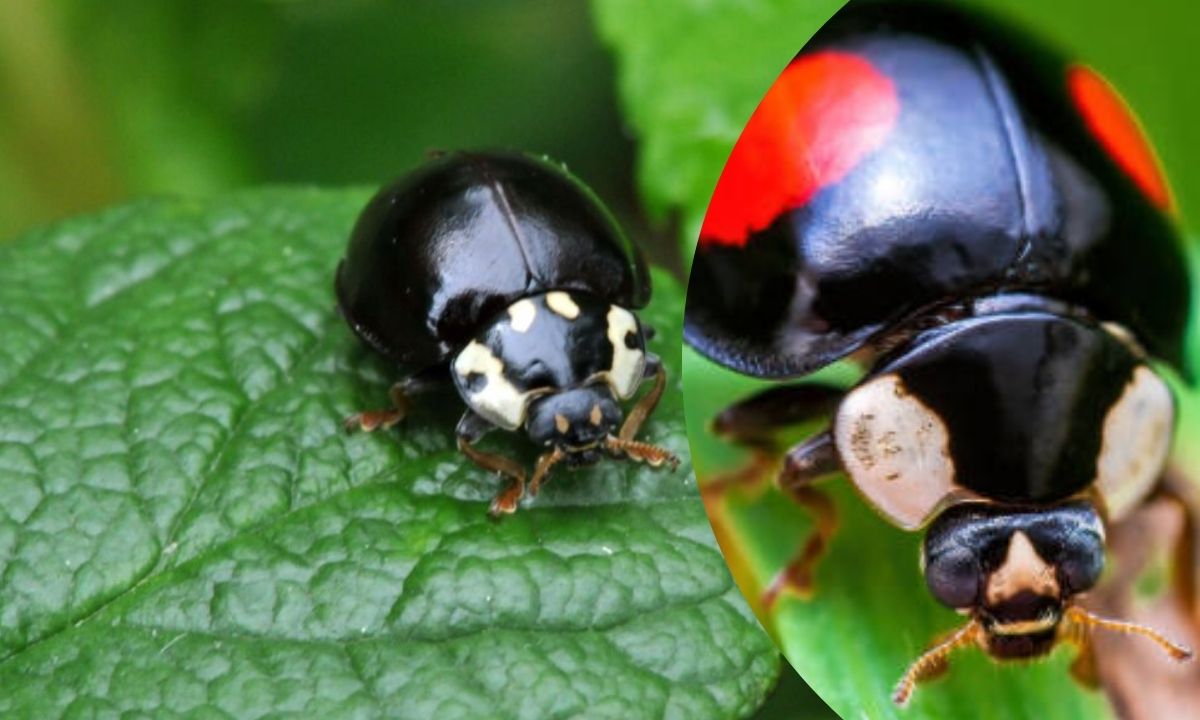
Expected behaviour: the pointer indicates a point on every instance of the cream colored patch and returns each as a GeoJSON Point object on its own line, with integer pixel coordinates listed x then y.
{"type": "Point", "coordinates": [895, 450]}
{"type": "Point", "coordinates": [628, 364]}
{"type": "Point", "coordinates": [521, 314]}
{"type": "Point", "coordinates": [561, 423]}
{"type": "Point", "coordinates": [1135, 443]}
{"type": "Point", "coordinates": [497, 401]}
{"type": "Point", "coordinates": [1022, 569]}
{"type": "Point", "coordinates": [597, 416]}
{"type": "Point", "coordinates": [562, 304]}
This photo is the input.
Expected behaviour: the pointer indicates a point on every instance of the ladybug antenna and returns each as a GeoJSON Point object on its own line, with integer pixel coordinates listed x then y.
{"type": "Point", "coordinates": [933, 661]}
{"type": "Point", "coordinates": [1081, 620]}
{"type": "Point", "coordinates": [642, 452]}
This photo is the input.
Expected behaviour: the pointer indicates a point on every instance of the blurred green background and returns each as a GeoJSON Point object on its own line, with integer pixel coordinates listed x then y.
{"type": "Point", "coordinates": [100, 102]}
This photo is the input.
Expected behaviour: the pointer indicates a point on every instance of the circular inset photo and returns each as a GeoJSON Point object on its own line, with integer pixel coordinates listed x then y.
{"type": "Point", "coordinates": [938, 384]}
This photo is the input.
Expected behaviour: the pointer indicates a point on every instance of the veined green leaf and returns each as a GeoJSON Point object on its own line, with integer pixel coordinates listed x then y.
{"type": "Point", "coordinates": [186, 530]}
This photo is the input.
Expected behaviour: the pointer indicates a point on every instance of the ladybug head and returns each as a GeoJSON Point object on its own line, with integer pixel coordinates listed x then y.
{"type": "Point", "coordinates": [576, 421]}
{"type": "Point", "coordinates": [1012, 570]}
{"type": "Point", "coordinates": [1015, 573]}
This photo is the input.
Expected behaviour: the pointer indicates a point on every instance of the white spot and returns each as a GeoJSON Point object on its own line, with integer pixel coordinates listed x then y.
{"type": "Point", "coordinates": [895, 450]}
{"type": "Point", "coordinates": [628, 364]}
{"type": "Point", "coordinates": [497, 401]}
{"type": "Point", "coordinates": [1135, 442]}
{"type": "Point", "coordinates": [1022, 569]}
{"type": "Point", "coordinates": [521, 314]}
{"type": "Point", "coordinates": [562, 304]}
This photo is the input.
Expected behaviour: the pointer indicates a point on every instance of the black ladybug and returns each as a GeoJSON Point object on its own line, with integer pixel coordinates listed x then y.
{"type": "Point", "coordinates": [982, 224]}
{"type": "Point", "coordinates": [505, 274]}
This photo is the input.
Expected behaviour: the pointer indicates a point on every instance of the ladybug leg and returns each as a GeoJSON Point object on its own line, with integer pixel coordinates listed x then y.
{"type": "Point", "coordinates": [808, 462]}
{"type": "Point", "coordinates": [400, 394]}
{"type": "Point", "coordinates": [542, 468]}
{"type": "Point", "coordinates": [471, 429]}
{"type": "Point", "coordinates": [1179, 491]}
{"type": "Point", "coordinates": [1083, 667]}
{"type": "Point", "coordinates": [637, 416]}
{"type": "Point", "coordinates": [623, 443]}
{"type": "Point", "coordinates": [755, 422]}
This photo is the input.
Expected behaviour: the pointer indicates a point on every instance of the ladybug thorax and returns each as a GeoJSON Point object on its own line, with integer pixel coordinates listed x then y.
{"type": "Point", "coordinates": [567, 352]}
{"type": "Point", "coordinates": [1022, 407]}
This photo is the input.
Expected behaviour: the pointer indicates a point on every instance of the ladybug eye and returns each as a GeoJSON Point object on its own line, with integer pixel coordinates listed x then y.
{"type": "Point", "coordinates": [1081, 560]}
{"type": "Point", "coordinates": [953, 576]}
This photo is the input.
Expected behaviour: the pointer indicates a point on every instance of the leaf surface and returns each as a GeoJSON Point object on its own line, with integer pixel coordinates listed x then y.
{"type": "Point", "coordinates": [185, 529]}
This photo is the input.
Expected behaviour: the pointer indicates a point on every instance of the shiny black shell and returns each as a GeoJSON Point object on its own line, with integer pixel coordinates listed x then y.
{"type": "Point", "coordinates": [998, 185]}
{"type": "Point", "coordinates": [442, 250]}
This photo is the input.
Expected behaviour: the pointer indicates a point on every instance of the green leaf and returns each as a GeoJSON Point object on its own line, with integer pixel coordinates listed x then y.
{"type": "Point", "coordinates": [690, 73]}
{"type": "Point", "coordinates": [185, 529]}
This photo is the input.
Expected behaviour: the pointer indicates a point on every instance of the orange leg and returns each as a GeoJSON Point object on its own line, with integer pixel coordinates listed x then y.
{"type": "Point", "coordinates": [637, 416]}
{"type": "Point", "coordinates": [805, 464]}
{"type": "Point", "coordinates": [400, 395]}
{"type": "Point", "coordinates": [506, 502]}
{"type": "Point", "coordinates": [542, 469]}
{"type": "Point", "coordinates": [754, 423]}
{"type": "Point", "coordinates": [1183, 561]}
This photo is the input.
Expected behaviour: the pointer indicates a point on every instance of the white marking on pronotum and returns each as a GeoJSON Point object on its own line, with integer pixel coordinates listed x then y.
{"type": "Point", "coordinates": [562, 304]}
{"type": "Point", "coordinates": [1135, 442]}
{"type": "Point", "coordinates": [521, 314]}
{"type": "Point", "coordinates": [628, 364]}
{"type": "Point", "coordinates": [1022, 569]}
{"type": "Point", "coordinates": [895, 450]}
{"type": "Point", "coordinates": [497, 401]}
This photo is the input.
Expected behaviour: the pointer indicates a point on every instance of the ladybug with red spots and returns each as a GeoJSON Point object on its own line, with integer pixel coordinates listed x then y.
{"type": "Point", "coordinates": [982, 223]}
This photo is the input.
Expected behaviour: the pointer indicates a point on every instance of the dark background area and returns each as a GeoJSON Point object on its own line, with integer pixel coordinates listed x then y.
{"type": "Point", "coordinates": [100, 102]}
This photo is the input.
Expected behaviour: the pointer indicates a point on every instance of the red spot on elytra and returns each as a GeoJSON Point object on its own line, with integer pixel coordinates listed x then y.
{"type": "Point", "coordinates": [1116, 127]}
{"type": "Point", "coordinates": [823, 115]}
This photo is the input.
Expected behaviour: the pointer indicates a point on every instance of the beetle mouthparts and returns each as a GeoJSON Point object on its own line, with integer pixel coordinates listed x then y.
{"type": "Point", "coordinates": [642, 452]}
